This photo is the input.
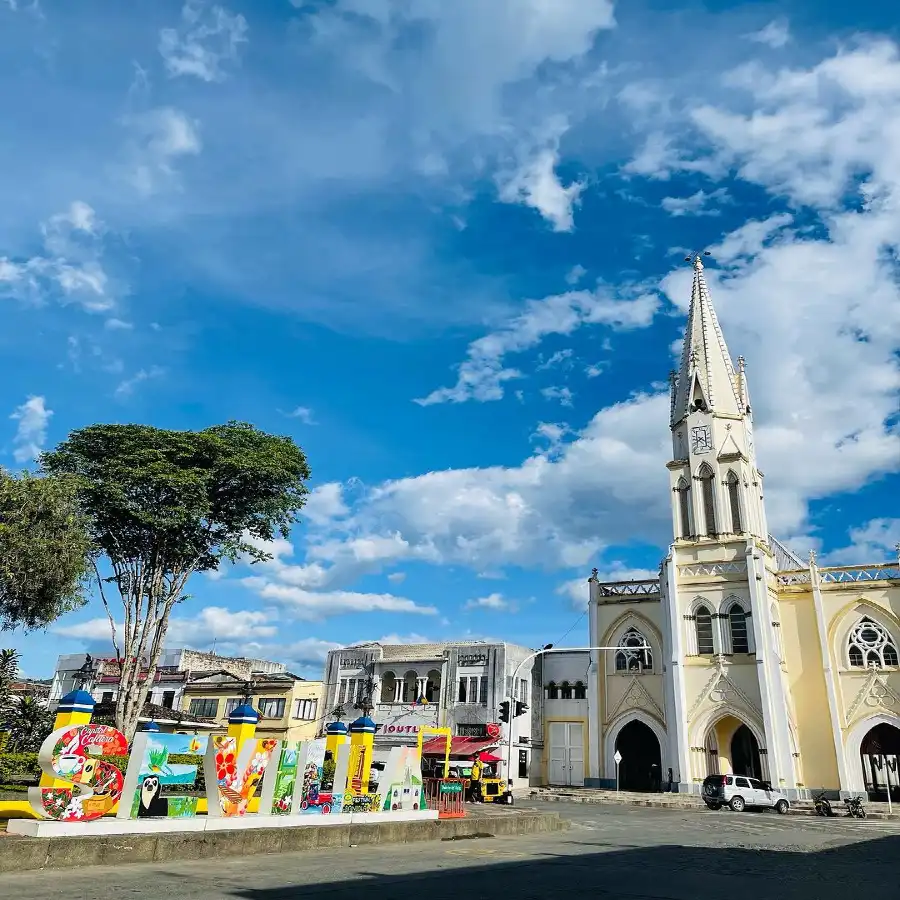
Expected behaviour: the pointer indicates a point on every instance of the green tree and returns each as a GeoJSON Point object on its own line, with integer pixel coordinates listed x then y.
{"type": "Point", "coordinates": [162, 505]}
{"type": "Point", "coordinates": [9, 669]}
{"type": "Point", "coordinates": [44, 550]}
{"type": "Point", "coordinates": [28, 722]}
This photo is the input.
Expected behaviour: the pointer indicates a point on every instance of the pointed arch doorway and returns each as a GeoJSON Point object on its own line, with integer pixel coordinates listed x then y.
{"type": "Point", "coordinates": [745, 753]}
{"type": "Point", "coordinates": [641, 765]}
{"type": "Point", "coordinates": [880, 757]}
{"type": "Point", "coordinates": [733, 748]}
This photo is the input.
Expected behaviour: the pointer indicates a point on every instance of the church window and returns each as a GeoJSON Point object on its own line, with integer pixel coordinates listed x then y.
{"type": "Point", "coordinates": [580, 691]}
{"type": "Point", "coordinates": [566, 691]}
{"type": "Point", "coordinates": [631, 657]}
{"type": "Point", "coordinates": [871, 645]}
{"type": "Point", "coordinates": [737, 620]}
{"type": "Point", "coordinates": [684, 507]}
{"type": "Point", "coordinates": [552, 691]}
{"type": "Point", "coordinates": [734, 502]}
{"type": "Point", "coordinates": [704, 625]}
{"type": "Point", "coordinates": [709, 499]}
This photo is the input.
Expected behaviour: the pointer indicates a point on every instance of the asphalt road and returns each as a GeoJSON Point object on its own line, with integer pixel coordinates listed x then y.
{"type": "Point", "coordinates": [627, 853]}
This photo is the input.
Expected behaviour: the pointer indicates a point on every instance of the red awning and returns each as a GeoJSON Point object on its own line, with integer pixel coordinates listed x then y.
{"type": "Point", "coordinates": [459, 746]}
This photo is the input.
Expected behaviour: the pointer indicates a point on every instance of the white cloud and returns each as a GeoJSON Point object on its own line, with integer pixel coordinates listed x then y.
{"type": "Point", "coordinates": [553, 433]}
{"type": "Point", "coordinates": [561, 358]}
{"type": "Point", "coordinates": [212, 623]}
{"type": "Point", "coordinates": [877, 541]}
{"type": "Point", "coordinates": [575, 274]}
{"type": "Point", "coordinates": [775, 35]}
{"type": "Point", "coordinates": [698, 204]}
{"type": "Point", "coordinates": [70, 266]}
{"type": "Point", "coordinates": [576, 589]}
{"type": "Point", "coordinates": [482, 375]}
{"type": "Point", "coordinates": [303, 413]}
{"type": "Point", "coordinates": [535, 183]}
{"type": "Point", "coordinates": [208, 37]}
{"type": "Point", "coordinates": [319, 605]}
{"type": "Point", "coordinates": [31, 432]}
{"type": "Point", "coordinates": [595, 369]}
{"type": "Point", "coordinates": [325, 503]}
{"type": "Point", "coordinates": [397, 577]}
{"type": "Point", "coordinates": [160, 137]}
{"type": "Point", "coordinates": [492, 601]}
{"type": "Point", "coordinates": [563, 394]}
{"type": "Point", "coordinates": [126, 387]}
{"type": "Point", "coordinates": [117, 325]}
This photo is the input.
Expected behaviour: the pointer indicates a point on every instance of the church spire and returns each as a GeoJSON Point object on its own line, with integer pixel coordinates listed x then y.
{"type": "Point", "coordinates": [706, 379]}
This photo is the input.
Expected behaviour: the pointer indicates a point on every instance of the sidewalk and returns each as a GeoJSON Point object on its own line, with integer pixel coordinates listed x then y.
{"type": "Point", "coordinates": [877, 811]}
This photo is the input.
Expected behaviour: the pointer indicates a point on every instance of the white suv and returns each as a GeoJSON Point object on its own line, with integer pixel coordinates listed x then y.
{"type": "Point", "coordinates": [739, 792]}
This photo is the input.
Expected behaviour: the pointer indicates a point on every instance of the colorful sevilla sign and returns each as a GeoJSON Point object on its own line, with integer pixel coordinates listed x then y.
{"type": "Point", "coordinates": [90, 787]}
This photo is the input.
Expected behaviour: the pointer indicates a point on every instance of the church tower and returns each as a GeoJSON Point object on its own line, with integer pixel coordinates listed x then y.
{"type": "Point", "coordinates": [727, 697]}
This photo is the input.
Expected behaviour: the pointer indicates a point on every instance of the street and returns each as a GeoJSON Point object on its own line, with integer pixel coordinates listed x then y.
{"type": "Point", "coordinates": [610, 851]}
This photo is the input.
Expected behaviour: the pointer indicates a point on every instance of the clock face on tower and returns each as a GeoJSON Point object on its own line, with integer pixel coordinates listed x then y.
{"type": "Point", "coordinates": [701, 442]}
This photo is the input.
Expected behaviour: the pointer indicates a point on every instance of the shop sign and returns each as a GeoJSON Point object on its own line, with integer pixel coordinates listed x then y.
{"type": "Point", "coordinates": [451, 787]}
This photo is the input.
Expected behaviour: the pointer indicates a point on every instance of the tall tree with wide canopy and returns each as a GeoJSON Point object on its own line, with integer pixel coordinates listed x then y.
{"type": "Point", "coordinates": [44, 550]}
{"type": "Point", "coordinates": [162, 505]}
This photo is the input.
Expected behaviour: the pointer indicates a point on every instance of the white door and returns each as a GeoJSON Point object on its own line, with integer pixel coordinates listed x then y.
{"type": "Point", "coordinates": [566, 754]}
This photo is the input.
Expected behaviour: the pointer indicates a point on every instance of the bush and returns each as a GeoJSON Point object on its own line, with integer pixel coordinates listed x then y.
{"type": "Point", "coordinates": [23, 769]}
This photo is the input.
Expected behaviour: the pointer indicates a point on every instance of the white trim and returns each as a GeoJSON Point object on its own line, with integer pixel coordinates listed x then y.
{"type": "Point", "coordinates": [853, 748]}
{"type": "Point", "coordinates": [612, 734]}
{"type": "Point", "coordinates": [676, 704]}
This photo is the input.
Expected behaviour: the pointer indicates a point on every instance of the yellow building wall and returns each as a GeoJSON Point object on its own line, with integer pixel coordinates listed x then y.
{"type": "Point", "coordinates": [809, 690]}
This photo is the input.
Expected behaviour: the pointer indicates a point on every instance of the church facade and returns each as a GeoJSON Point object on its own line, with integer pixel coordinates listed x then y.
{"type": "Point", "coordinates": [740, 657]}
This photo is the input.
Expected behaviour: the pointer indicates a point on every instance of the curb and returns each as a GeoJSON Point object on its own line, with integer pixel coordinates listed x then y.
{"type": "Point", "coordinates": [688, 806]}
{"type": "Point", "coordinates": [19, 854]}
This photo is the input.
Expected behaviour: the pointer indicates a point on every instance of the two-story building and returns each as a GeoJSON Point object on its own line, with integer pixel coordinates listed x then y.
{"type": "Point", "coordinates": [289, 706]}
{"type": "Point", "coordinates": [457, 685]}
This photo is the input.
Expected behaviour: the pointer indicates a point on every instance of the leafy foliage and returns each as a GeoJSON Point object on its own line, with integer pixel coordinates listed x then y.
{"type": "Point", "coordinates": [44, 550]}
{"type": "Point", "coordinates": [162, 505]}
{"type": "Point", "coordinates": [28, 723]}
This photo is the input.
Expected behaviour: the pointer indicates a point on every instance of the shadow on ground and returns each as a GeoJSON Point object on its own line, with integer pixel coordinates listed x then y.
{"type": "Point", "coordinates": [869, 870]}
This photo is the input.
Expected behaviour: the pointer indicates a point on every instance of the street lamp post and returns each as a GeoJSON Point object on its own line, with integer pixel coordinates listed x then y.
{"type": "Point", "coordinates": [548, 649]}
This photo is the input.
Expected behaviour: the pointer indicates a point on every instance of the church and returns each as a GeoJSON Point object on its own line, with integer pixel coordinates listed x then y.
{"type": "Point", "coordinates": [740, 658]}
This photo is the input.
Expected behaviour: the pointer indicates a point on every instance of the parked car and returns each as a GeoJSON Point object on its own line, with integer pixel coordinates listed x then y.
{"type": "Point", "coordinates": [740, 792]}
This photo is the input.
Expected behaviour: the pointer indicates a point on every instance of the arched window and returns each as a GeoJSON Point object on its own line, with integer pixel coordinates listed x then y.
{"type": "Point", "coordinates": [580, 691]}
{"type": "Point", "coordinates": [630, 657]}
{"type": "Point", "coordinates": [388, 687]}
{"type": "Point", "coordinates": [565, 692]}
{"type": "Point", "coordinates": [737, 621]}
{"type": "Point", "coordinates": [732, 482]}
{"type": "Point", "coordinates": [410, 684]}
{"type": "Point", "coordinates": [683, 490]}
{"type": "Point", "coordinates": [433, 686]}
{"type": "Point", "coordinates": [871, 645]}
{"type": "Point", "coordinates": [707, 491]}
{"type": "Point", "coordinates": [552, 691]}
{"type": "Point", "coordinates": [704, 626]}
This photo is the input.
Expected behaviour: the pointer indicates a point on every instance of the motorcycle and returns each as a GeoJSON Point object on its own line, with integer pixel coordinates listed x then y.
{"type": "Point", "coordinates": [855, 808]}
{"type": "Point", "coordinates": [823, 807]}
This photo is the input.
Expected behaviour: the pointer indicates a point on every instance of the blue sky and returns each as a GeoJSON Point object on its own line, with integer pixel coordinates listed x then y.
{"type": "Point", "coordinates": [440, 245]}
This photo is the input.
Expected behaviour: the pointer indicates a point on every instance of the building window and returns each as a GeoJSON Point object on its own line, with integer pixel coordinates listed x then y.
{"type": "Point", "coordinates": [231, 704]}
{"type": "Point", "coordinates": [522, 691]}
{"type": "Point", "coordinates": [271, 707]}
{"type": "Point", "coordinates": [871, 645]}
{"type": "Point", "coordinates": [732, 483]}
{"type": "Point", "coordinates": [704, 625]}
{"type": "Point", "coordinates": [342, 694]}
{"type": "Point", "coordinates": [580, 691]}
{"type": "Point", "coordinates": [552, 691]}
{"type": "Point", "coordinates": [737, 620]}
{"type": "Point", "coordinates": [630, 657]}
{"type": "Point", "coordinates": [463, 689]}
{"type": "Point", "coordinates": [388, 687]}
{"type": "Point", "coordinates": [305, 709]}
{"type": "Point", "coordinates": [707, 489]}
{"type": "Point", "coordinates": [684, 508]}
{"type": "Point", "coordinates": [168, 699]}
{"type": "Point", "coordinates": [106, 697]}
{"type": "Point", "coordinates": [433, 686]}
{"type": "Point", "coordinates": [565, 692]}
{"type": "Point", "coordinates": [204, 708]}
{"type": "Point", "coordinates": [473, 689]}
{"type": "Point", "coordinates": [523, 764]}
{"type": "Point", "coordinates": [483, 691]}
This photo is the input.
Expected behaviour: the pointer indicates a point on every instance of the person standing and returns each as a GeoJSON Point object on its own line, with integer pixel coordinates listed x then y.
{"type": "Point", "coordinates": [475, 779]}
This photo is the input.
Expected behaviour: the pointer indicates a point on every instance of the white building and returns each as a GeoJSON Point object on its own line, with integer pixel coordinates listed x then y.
{"type": "Point", "coordinates": [175, 669]}
{"type": "Point", "coordinates": [462, 684]}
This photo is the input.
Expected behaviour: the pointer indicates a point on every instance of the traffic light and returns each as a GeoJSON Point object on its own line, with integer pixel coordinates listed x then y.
{"type": "Point", "coordinates": [521, 708]}
{"type": "Point", "coordinates": [504, 711]}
